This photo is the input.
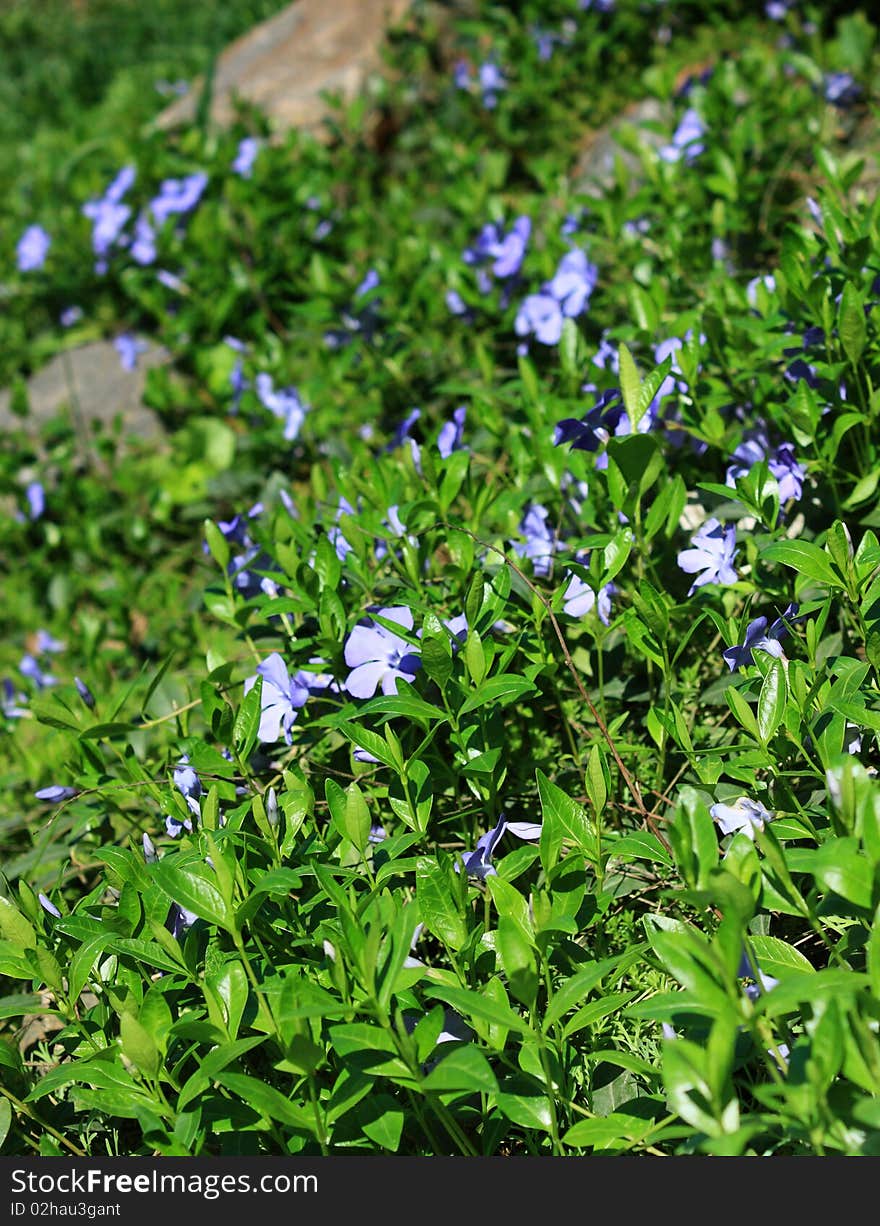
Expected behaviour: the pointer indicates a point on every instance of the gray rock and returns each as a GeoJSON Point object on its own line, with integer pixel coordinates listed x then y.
{"type": "Point", "coordinates": [595, 166]}
{"type": "Point", "coordinates": [285, 64]}
{"type": "Point", "coordinates": [90, 383]}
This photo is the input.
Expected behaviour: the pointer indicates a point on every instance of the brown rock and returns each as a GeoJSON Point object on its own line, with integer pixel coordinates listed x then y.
{"type": "Point", "coordinates": [285, 64]}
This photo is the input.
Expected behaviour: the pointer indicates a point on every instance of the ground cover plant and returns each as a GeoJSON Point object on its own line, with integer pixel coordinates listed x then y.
{"type": "Point", "coordinates": [457, 733]}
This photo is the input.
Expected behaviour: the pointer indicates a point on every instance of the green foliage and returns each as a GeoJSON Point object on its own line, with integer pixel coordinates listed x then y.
{"type": "Point", "coordinates": [413, 805]}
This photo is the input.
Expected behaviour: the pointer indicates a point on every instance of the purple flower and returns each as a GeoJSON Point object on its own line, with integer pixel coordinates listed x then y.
{"type": "Point", "coordinates": [509, 251]}
{"type": "Point", "coordinates": [573, 283]}
{"type": "Point", "coordinates": [143, 249]}
{"type": "Point", "coordinates": [55, 793]}
{"type": "Point", "coordinates": [245, 157]}
{"type": "Point", "coordinates": [686, 140]}
{"type": "Point", "coordinates": [451, 433]}
{"type": "Point", "coordinates": [334, 534]}
{"type": "Point", "coordinates": [491, 80]}
{"type": "Point", "coordinates": [281, 698]}
{"type": "Point", "coordinates": [579, 599]}
{"type": "Point", "coordinates": [48, 906]}
{"type": "Point", "coordinates": [284, 404]}
{"type": "Point", "coordinates": [455, 303]}
{"type": "Point", "coordinates": [177, 196]}
{"type": "Point", "coordinates": [85, 693]}
{"type": "Point", "coordinates": [540, 543]}
{"type": "Point", "coordinates": [371, 281]}
{"type": "Point", "coordinates": [70, 315]}
{"type": "Point", "coordinates": [739, 655]}
{"type": "Point", "coordinates": [36, 499]}
{"type": "Point", "coordinates": [32, 249]}
{"type": "Point", "coordinates": [540, 315]}
{"type": "Point", "coordinates": [46, 642]}
{"type": "Point", "coordinates": [743, 814]}
{"type": "Point", "coordinates": [593, 430]}
{"type": "Point", "coordinates": [378, 657]}
{"type": "Point", "coordinates": [9, 700]}
{"type": "Point", "coordinates": [712, 551]}
{"type": "Point", "coordinates": [478, 863]}
{"type": "Point", "coordinates": [840, 89]}
{"type": "Point", "coordinates": [782, 464]}
{"type": "Point", "coordinates": [129, 347]}
{"type": "Point", "coordinates": [108, 217]}
{"type": "Point", "coordinates": [461, 74]}
{"type": "Point", "coordinates": [120, 185]}
{"type": "Point", "coordinates": [189, 785]}
{"type": "Point", "coordinates": [28, 667]}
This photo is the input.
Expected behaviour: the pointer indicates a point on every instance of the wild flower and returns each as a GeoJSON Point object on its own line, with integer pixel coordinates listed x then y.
{"type": "Point", "coordinates": [451, 433]}
{"type": "Point", "coordinates": [243, 163]}
{"type": "Point", "coordinates": [378, 657]}
{"type": "Point", "coordinates": [741, 815]}
{"type": "Point", "coordinates": [129, 349]}
{"type": "Point", "coordinates": [687, 140]}
{"type": "Point", "coordinates": [712, 552]}
{"type": "Point", "coordinates": [285, 404]}
{"type": "Point", "coordinates": [281, 699]}
{"type": "Point", "coordinates": [32, 249]}
{"type": "Point", "coordinates": [759, 638]}
{"type": "Point", "coordinates": [540, 543]}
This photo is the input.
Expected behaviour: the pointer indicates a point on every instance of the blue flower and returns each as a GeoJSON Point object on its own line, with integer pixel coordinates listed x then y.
{"type": "Point", "coordinates": [246, 156]}
{"type": "Point", "coordinates": [573, 283]}
{"type": "Point", "coordinates": [687, 143]}
{"type": "Point", "coordinates": [285, 404]}
{"type": "Point", "coordinates": [143, 249]}
{"type": "Point", "coordinates": [739, 655]}
{"type": "Point", "coordinates": [189, 785]}
{"type": "Point", "coordinates": [28, 667]}
{"type": "Point", "coordinates": [593, 430]}
{"type": "Point", "coordinates": [177, 196]}
{"type": "Point", "coordinates": [281, 699]}
{"type": "Point", "coordinates": [579, 599]}
{"type": "Point", "coordinates": [34, 493]}
{"type": "Point", "coordinates": [712, 551]}
{"type": "Point", "coordinates": [451, 433]}
{"type": "Point", "coordinates": [540, 315]}
{"type": "Point", "coordinates": [32, 249]}
{"type": "Point", "coordinates": [841, 89]}
{"type": "Point", "coordinates": [55, 793]}
{"type": "Point", "coordinates": [540, 543]}
{"type": "Point", "coordinates": [478, 863]}
{"type": "Point", "coordinates": [129, 348]}
{"type": "Point", "coordinates": [742, 815]}
{"type": "Point", "coordinates": [379, 657]}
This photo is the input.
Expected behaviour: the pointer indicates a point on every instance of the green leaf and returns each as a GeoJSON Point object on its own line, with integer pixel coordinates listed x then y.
{"type": "Point", "coordinates": [527, 1110]}
{"type": "Point", "coordinates": [499, 692]}
{"type": "Point", "coordinates": [806, 558]}
{"type": "Point", "coordinates": [772, 701]}
{"type": "Point", "coordinates": [438, 906]}
{"type": "Point", "coordinates": [14, 927]}
{"type": "Point", "coordinates": [851, 326]}
{"type": "Point", "coordinates": [465, 1070]}
{"type": "Point", "coordinates": [269, 1102]}
{"type": "Point", "coordinates": [564, 818]}
{"type": "Point", "coordinates": [191, 887]}
{"type": "Point", "coordinates": [480, 1005]}
{"type": "Point", "coordinates": [630, 384]}
{"type": "Point", "coordinates": [138, 1046]}
{"type": "Point", "coordinates": [381, 1119]}
{"type": "Point", "coordinates": [247, 720]}
{"type": "Point", "coordinates": [217, 543]}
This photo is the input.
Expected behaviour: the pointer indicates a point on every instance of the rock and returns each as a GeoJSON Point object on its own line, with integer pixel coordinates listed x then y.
{"type": "Point", "coordinates": [285, 64]}
{"type": "Point", "coordinates": [595, 165]}
{"type": "Point", "coordinates": [90, 382]}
